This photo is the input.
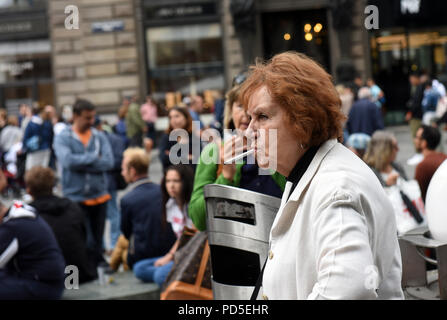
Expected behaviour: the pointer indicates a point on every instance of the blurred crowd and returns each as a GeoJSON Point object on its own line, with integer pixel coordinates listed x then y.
{"type": "Point", "coordinates": [86, 160]}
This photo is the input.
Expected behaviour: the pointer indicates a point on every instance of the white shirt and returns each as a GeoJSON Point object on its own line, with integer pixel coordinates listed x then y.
{"type": "Point", "coordinates": [335, 237]}
{"type": "Point", "coordinates": [178, 218]}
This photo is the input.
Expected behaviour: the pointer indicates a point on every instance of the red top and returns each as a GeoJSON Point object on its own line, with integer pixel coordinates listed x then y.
{"type": "Point", "coordinates": [426, 169]}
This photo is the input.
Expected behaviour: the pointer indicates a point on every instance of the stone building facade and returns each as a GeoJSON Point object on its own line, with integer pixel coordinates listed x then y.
{"type": "Point", "coordinates": [95, 64]}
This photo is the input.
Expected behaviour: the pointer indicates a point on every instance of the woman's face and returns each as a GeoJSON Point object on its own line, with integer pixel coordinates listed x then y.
{"type": "Point", "coordinates": [173, 183]}
{"type": "Point", "coordinates": [239, 116]}
{"type": "Point", "coordinates": [275, 145]}
{"type": "Point", "coordinates": [177, 119]}
{"type": "Point", "coordinates": [394, 150]}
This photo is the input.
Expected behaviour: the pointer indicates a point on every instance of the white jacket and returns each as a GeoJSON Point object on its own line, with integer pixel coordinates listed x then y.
{"type": "Point", "coordinates": [335, 237]}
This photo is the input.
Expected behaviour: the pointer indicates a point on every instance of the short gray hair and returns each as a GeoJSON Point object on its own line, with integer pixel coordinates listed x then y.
{"type": "Point", "coordinates": [364, 93]}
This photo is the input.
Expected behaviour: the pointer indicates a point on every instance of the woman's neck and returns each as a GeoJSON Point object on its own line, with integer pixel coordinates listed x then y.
{"type": "Point", "coordinates": [179, 202]}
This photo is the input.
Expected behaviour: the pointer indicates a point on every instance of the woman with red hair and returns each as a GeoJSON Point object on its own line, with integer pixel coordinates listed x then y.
{"type": "Point", "coordinates": [334, 236]}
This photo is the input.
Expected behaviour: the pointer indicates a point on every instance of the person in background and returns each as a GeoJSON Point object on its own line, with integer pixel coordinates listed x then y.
{"type": "Point", "coordinates": [25, 115]}
{"type": "Point", "coordinates": [427, 140]}
{"type": "Point", "coordinates": [176, 188]}
{"type": "Point", "coordinates": [414, 114]}
{"type": "Point", "coordinates": [429, 102]}
{"type": "Point", "coordinates": [31, 263]}
{"type": "Point", "coordinates": [377, 95]}
{"type": "Point", "coordinates": [38, 139]}
{"type": "Point", "coordinates": [195, 109]}
{"type": "Point", "coordinates": [357, 84]}
{"type": "Point", "coordinates": [179, 119]}
{"type": "Point", "coordinates": [358, 143]}
{"type": "Point", "coordinates": [135, 126]}
{"type": "Point", "coordinates": [243, 175]}
{"type": "Point", "coordinates": [10, 135]}
{"type": "Point", "coordinates": [364, 116]}
{"type": "Point", "coordinates": [3, 119]}
{"type": "Point", "coordinates": [120, 127]}
{"type": "Point", "coordinates": [149, 115]}
{"type": "Point", "coordinates": [347, 100]}
{"type": "Point", "coordinates": [381, 156]}
{"type": "Point", "coordinates": [141, 210]}
{"type": "Point", "coordinates": [85, 156]}
{"type": "Point", "coordinates": [113, 176]}
{"type": "Point", "coordinates": [65, 218]}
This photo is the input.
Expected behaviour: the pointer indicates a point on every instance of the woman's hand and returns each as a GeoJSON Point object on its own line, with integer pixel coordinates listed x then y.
{"type": "Point", "coordinates": [392, 179]}
{"type": "Point", "coordinates": [236, 145]}
{"type": "Point", "coordinates": [164, 260]}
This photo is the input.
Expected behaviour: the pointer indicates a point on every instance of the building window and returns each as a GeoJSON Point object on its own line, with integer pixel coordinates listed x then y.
{"type": "Point", "coordinates": [186, 59]}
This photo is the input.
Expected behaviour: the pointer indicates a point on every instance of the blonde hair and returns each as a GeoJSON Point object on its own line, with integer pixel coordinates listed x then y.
{"type": "Point", "coordinates": [137, 159]}
{"type": "Point", "coordinates": [380, 148]}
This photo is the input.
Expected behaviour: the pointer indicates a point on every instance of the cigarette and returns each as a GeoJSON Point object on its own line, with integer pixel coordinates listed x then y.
{"type": "Point", "coordinates": [244, 154]}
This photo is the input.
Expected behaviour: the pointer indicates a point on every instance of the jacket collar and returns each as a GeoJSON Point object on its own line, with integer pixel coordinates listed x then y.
{"type": "Point", "coordinates": [19, 210]}
{"type": "Point", "coordinates": [309, 174]}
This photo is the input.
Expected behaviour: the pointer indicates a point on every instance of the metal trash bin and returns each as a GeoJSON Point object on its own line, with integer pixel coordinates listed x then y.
{"type": "Point", "coordinates": [416, 280]}
{"type": "Point", "coordinates": [238, 226]}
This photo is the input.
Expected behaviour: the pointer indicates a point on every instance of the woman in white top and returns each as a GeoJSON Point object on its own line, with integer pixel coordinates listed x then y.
{"type": "Point", "coordinates": [334, 236]}
{"type": "Point", "coordinates": [176, 188]}
{"type": "Point", "coordinates": [381, 156]}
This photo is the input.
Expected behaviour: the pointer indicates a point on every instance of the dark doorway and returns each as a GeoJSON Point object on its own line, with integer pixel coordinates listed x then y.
{"type": "Point", "coordinates": [305, 31]}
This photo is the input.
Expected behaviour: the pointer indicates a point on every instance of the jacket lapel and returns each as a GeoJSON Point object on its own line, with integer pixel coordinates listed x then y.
{"type": "Point", "coordinates": [287, 211]}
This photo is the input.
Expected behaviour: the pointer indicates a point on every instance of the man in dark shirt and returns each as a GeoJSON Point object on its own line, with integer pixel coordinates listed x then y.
{"type": "Point", "coordinates": [426, 141]}
{"type": "Point", "coordinates": [364, 116]}
{"type": "Point", "coordinates": [141, 214]}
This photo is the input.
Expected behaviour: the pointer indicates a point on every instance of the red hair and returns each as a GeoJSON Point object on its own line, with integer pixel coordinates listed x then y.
{"type": "Point", "coordinates": [306, 93]}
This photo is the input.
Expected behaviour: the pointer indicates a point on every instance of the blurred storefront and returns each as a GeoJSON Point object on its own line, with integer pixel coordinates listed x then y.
{"type": "Point", "coordinates": [25, 54]}
{"type": "Point", "coordinates": [412, 37]}
{"type": "Point", "coordinates": [183, 49]}
{"type": "Point", "coordinates": [329, 31]}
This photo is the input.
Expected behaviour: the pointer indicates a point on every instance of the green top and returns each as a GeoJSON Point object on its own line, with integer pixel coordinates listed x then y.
{"type": "Point", "coordinates": [206, 172]}
{"type": "Point", "coordinates": [134, 122]}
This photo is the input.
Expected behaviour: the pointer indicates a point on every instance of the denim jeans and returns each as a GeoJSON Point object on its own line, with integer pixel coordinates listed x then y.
{"type": "Point", "coordinates": [147, 272]}
{"type": "Point", "coordinates": [113, 215]}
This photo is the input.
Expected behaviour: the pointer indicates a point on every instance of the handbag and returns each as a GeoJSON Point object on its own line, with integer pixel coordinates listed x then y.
{"type": "Point", "coordinates": [190, 276]}
{"type": "Point", "coordinates": [408, 206]}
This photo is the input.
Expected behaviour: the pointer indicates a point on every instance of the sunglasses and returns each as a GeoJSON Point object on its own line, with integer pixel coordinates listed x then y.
{"type": "Point", "coordinates": [239, 79]}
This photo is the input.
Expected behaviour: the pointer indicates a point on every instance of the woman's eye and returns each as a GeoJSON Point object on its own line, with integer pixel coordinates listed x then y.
{"type": "Point", "coordinates": [262, 117]}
